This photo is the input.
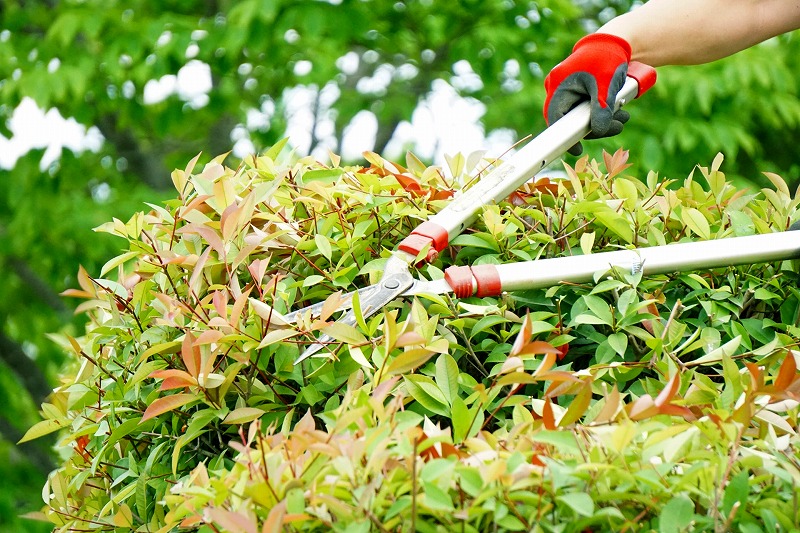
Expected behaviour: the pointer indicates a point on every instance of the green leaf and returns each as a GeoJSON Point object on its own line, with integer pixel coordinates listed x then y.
{"type": "Point", "coordinates": [676, 515]}
{"type": "Point", "coordinates": [619, 342]}
{"type": "Point", "coordinates": [580, 502]}
{"type": "Point", "coordinates": [425, 391]}
{"type": "Point", "coordinates": [696, 222]}
{"type": "Point", "coordinates": [616, 223]}
{"type": "Point", "coordinates": [435, 498]}
{"type": "Point", "coordinates": [476, 241]}
{"type": "Point", "coordinates": [447, 376]}
{"type": "Point", "coordinates": [324, 246]}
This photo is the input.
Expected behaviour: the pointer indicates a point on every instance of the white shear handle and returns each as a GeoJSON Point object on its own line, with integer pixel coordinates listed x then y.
{"type": "Point", "coordinates": [522, 166]}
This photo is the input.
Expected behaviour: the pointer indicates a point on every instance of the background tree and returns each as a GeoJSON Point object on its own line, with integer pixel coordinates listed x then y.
{"type": "Point", "coordinates": [102, 63]}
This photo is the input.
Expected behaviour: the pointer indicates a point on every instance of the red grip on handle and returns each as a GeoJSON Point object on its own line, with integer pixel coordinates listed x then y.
{"type": "Point", "coordinates": [485, 277]}
{"type": "Point", "coordinates": [645, 75]}
{"type": "Point", "coordinates": [426, 233]}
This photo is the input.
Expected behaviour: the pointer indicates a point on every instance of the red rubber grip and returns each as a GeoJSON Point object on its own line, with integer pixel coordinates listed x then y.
{"type": "Point", "coordinates": [488, 281]}
{"type": "Point", "coordinates": [423, 235]}
{"type": "Point", "coordinates": [481, 280]}
{"type": "Point", "coordinates": [460, 278]}
{"type": "Point", "coordinates": [645, 75]}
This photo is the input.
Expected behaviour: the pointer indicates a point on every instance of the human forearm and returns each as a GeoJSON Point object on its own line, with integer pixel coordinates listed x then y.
{"type": "Point", "coordinates": [684, 32]}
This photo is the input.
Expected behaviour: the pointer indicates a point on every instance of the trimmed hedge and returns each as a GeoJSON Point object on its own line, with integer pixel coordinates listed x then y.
{"type": "Point", "coordinates": [663, 403]}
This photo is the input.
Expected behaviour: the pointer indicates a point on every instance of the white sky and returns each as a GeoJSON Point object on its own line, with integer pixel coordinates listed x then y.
{"type": "Point", "coordinates": [444, 123]}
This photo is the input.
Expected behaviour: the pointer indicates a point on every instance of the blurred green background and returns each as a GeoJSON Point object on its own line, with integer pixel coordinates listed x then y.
{"type": "Point", "coordinates": [148, 84]}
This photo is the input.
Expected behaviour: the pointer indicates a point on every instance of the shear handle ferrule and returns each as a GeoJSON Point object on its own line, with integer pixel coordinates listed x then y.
{"type": "Point", "coordinates": [480, 280]}
{"type": "Point", "coordinates": [426, 234]}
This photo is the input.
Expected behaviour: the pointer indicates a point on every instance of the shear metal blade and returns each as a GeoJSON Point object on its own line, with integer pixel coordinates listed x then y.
{"type": "Point", "coordinates": [372, 300]}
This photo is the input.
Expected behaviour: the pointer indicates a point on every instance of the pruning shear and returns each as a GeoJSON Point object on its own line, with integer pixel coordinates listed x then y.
{"type": "Point", "coordinates": [433, 235]}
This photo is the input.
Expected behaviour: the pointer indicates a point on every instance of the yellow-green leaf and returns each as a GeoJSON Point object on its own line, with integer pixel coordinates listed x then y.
{"type": "Point", "coordinates": [344, 333]}
{"type": "Point", "coordinates": [696, 222]}
{"type": "Point", "coordinates": [243, 415]}
{"type": "Point", "coordinates": [409, 360]}
{"type": "Point", "coordinates": [42, 428]}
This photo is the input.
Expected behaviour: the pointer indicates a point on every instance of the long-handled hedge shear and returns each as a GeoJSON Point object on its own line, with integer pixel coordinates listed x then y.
{"type": "Point", "coordinates": [433, 235]}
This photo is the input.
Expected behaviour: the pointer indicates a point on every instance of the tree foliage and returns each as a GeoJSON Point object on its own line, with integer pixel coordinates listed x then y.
{"type": "Point", "coordinates": [96, 61]}
{"type": "Point", "coordinates": [630, 402]}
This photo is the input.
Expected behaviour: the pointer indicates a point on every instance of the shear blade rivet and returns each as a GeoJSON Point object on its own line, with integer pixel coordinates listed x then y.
{"type": "Point", "coordinates": [392, 284]}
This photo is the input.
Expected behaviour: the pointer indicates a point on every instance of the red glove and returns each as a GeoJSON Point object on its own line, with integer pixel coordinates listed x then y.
{"type": "Point", "coordinates": [595, 71]}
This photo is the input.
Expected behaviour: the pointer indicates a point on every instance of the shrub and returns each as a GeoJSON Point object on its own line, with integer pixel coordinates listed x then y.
{"type": "Point", "coordinates": [664, 402]}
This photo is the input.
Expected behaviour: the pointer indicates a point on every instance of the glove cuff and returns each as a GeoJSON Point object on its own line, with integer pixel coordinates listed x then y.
{"type": "Point", "coordinates": [612, 44]}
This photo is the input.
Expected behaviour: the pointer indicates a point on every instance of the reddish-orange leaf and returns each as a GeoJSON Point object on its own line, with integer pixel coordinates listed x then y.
{"type": "Point", "coordinates": [409, 183]}
{"type": "Point", "coordinates": [220, 299]}
{"type": "Point", "coordinates": [756, 376]}
{"type": "Point", "coordinates": [442, 194]}
{"type": "Point", "coordinates": [616, 163]}
{"type": "Point", "coordinates": [174, 379]}
{"type": "Point", "coordinates": [170, 373]}
{"type": "Point", "coordinates": [176, 383]}
{"type": "Point", "coordinates": [524, 334]}
{"type": "Point", "coordinates": [274, 521]}
{"type": "Point", "coordinates": [610, 407]}
{"type": "Point", "coordinates": [643, 407]}
{"type": "Point", "coordinates": [547, 415]}
{"type": "Point", "coordinates": [677, 410]}
{"type": "Point", "coordinates": [563, 350]}
{"type": "Point", "coordinates": [190, 354]}
{"type": "Point", "coordinates": [545, 185]}
{"type": "Point", "coordinates": [77, 293]}
{"type": "Point", "coordinates": [208, 336]}
{"type": "Point", "coordinates": [257, 269]}
{"type": "Point", "coordinates": [331, 304]}
{"type": "Point", "coordinates": [190, 521]}
{"type": "Point", "coordinates": [166, 404]}
{"type": "Point", "coordinates": [668, 392]}
{"type": "Point", "coordinates": [538, 347]}
{"type": "Point", "coordinates": [787, 374]}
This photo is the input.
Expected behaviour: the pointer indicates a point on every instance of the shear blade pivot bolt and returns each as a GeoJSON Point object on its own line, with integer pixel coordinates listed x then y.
{"type": "Point", "coordinates": [391, 284]}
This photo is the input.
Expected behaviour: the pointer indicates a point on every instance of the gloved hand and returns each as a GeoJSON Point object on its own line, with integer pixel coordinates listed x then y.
{"type": "Point", "coordinates": [595, 71]}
